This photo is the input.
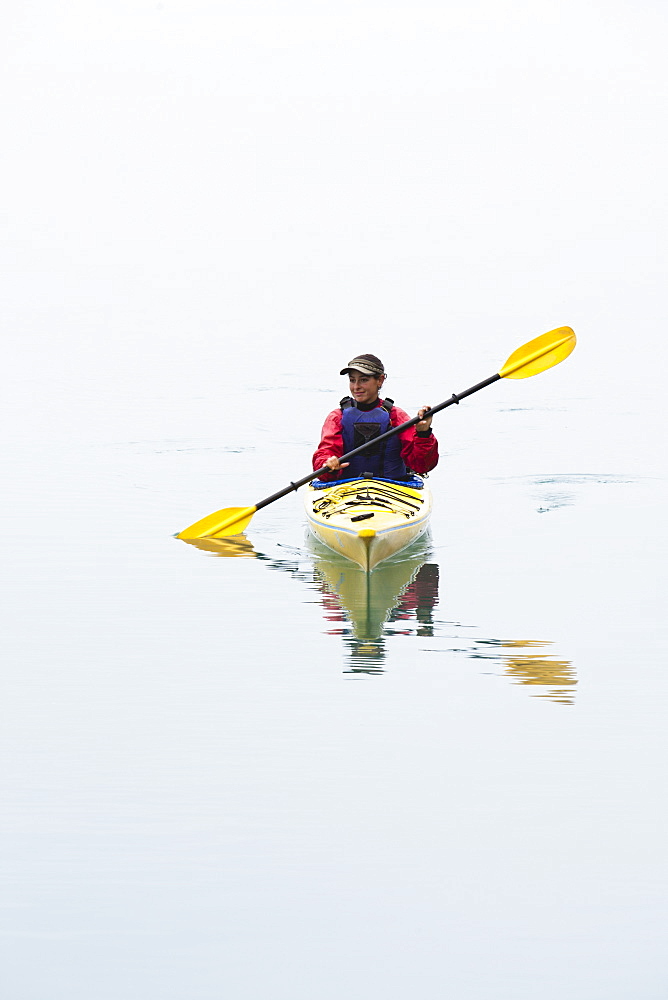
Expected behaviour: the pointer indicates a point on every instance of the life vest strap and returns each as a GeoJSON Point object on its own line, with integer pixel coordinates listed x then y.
{"type": "Point", "coordinates": [347, 401]}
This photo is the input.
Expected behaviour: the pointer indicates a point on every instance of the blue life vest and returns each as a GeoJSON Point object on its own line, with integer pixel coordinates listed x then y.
{"type": "Point", "coordinates": [359, 426]}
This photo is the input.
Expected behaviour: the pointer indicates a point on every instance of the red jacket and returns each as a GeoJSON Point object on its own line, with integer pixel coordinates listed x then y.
{"type": "Point", "coordinates": [417, 453]}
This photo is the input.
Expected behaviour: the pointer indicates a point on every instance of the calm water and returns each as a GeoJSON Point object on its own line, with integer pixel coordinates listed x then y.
{"type": "Point", "coordinates": [247, 772]}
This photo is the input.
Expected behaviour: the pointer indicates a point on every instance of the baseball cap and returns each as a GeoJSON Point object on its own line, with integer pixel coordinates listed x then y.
{"type": "Point", "coordinates": [368, 364]}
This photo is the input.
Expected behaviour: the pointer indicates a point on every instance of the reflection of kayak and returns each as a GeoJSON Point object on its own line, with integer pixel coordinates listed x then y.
{"type": "Point", "coordinates": [368, 520]}
{"type": "Point", "coordinates": [368, 599]}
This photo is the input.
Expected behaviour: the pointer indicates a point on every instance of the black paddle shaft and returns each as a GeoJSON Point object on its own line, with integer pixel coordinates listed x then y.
{"type": "Point", "coordinates": [455, 398]}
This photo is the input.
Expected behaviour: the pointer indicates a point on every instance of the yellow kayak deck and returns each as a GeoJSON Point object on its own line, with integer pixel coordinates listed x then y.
{"type": "Point", "coordinates": [367, 520]}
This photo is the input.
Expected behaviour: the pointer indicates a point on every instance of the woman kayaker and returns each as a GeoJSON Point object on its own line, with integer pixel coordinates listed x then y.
{"type": "Point", "coordinates": [363, 416]}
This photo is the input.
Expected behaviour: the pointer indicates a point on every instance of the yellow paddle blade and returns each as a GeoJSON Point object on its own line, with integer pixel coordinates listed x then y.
{"type": "Point", "coordinates": [228, 521]}
{"type": "Point", "coordinates": [539, 354]}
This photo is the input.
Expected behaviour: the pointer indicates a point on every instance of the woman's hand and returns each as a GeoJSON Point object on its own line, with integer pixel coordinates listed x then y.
{"type": "Point", "coordinates": [423, 425]}
{"type": "Point", "coordinates": [334, 465]}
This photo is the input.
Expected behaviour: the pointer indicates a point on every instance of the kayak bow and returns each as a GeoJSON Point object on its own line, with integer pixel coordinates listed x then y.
{"type": "Point", "coordinates": [368, 520]}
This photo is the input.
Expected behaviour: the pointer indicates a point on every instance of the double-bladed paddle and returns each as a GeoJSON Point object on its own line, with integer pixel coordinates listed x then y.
{"type": "Point", "coordinates": [538, 355]}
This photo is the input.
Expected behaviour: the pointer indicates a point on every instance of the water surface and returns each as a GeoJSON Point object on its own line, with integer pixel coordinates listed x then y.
{"type": "Point", "coordinates": [248, 772]}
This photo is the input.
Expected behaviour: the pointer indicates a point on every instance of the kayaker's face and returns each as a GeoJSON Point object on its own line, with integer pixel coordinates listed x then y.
{"type": "Point", "coordinates": [364, 388]}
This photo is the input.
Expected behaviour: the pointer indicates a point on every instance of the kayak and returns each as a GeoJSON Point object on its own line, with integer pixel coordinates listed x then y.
{"type": "Point", "coordinates": [368, 520]}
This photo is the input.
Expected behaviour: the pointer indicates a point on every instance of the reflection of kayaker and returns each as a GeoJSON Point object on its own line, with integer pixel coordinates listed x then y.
{"type": "Point", "coordinates": [419, 600]}
{"type": "Point", "coordinates": [414, 608]}
{"type": "Point", "coordinates": [403, 587]}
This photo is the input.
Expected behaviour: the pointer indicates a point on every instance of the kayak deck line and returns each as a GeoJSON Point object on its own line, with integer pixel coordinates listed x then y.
{"type": "Point", "coordinates": [341, 499]}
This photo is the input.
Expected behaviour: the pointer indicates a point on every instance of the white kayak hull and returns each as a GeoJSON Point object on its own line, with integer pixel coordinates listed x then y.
{"type": "Point", "coordinates": [367, 520]}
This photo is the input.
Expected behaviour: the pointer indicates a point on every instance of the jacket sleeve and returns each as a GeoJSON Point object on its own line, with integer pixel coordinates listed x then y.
{"type": "Point", "coordinates": [331, 443]}
{"type": "Point", "coordinates": [418, 453]}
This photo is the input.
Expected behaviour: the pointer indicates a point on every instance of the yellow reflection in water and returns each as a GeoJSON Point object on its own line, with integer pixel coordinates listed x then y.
{"type": "Point", "coordinates": [233, 547]}
{"type": "Point", "coordinates": [358, 606]}
{"type": "Point", "coordinates": [399, 598]}
{"type": "Point", "coordinates": [544, 671]}
{"type": "Point", "coordinates": [537, 669]}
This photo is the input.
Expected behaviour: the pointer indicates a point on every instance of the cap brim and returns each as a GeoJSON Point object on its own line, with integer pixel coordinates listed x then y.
{"type": "Point", "coordinates": [363, 370]}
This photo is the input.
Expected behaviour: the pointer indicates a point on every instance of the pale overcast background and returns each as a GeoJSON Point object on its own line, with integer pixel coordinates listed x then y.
{"type": "Point", "coordinates": [193, 186]}
{"type": "Point", "coordinates": [207, 209]}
